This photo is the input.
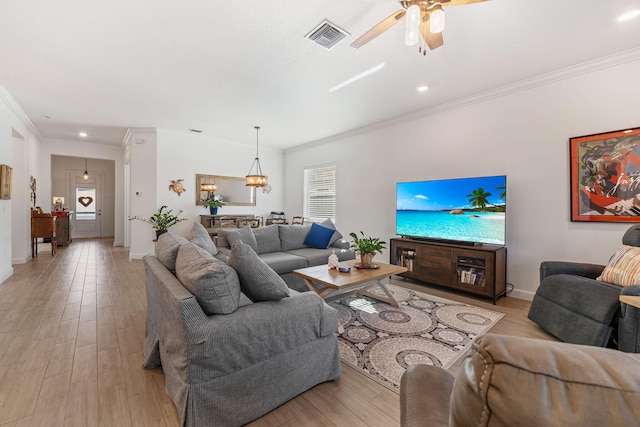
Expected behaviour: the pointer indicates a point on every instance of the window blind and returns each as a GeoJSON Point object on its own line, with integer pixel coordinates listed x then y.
{"type": "Point", "coordinates": [320, 192]}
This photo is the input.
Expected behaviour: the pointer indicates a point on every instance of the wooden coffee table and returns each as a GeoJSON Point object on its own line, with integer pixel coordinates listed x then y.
{"type": "Point", "coordinates": [357, 278]}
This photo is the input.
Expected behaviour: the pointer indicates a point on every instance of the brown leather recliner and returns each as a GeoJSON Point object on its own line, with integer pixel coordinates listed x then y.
{"type": "Point", "coordinates": [512, 381]}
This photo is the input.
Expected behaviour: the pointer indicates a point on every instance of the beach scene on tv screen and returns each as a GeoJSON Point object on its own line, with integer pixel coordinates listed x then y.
{"type": "Point", "coordinates": [466, 209]}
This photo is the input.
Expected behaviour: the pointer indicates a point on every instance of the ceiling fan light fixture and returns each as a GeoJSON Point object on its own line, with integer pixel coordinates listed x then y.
{"type": "Point", "coordinates": [412, 22]}
{"type": "Point", "coordinates": [436, 18]}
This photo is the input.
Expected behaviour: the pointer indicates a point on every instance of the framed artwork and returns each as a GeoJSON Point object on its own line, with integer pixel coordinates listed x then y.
{"type": "Point", "coordinates": [6, 175]}
{"type": "Point", "coordinates": [605, 176]}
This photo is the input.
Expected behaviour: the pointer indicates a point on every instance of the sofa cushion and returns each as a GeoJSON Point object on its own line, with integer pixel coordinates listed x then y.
{"type": "Point", "coordinates": [167, 249]}
{"type": "Point", "coordinates": [257, 280]}
{"type": "Point", "coordinates": [623, 268]}
{"type": "Point", "coordinates": [200, 237]}
{"type": "Point", "coordinates": [292, 236]}
{"type": "Point", "coordinates": [214, 284]}
{"type": "Point", "coordinates": [284, 262]}
{"type": "Point", "coordinates": [244, 234]}
{"type": "Point", "coordinates": [319, 237]}
{"type": "Point", "coordinates": [329, 224]}
{"type": "Point", "coordinates": [267, 238]}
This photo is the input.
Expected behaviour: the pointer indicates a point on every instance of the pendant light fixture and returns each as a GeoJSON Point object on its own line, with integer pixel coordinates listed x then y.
{"type": "Point", "coordinates": [256, 179]}
{"type": "Point", "coordinates": [85, 175]}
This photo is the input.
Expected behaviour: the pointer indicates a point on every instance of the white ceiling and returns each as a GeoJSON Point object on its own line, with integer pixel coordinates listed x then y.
{"type": "Point", "coordinates": [225, 66]}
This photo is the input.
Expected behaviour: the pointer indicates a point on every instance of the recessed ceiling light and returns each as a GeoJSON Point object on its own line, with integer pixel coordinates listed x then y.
{"type": "Point", "coordinates": [629, 15]}
{"type": "Point", "coordinates": [82, 134]}
{"type": "Point", "coordinates": [357, 77]}
{"type": "Point", "coordinates": [422, 88]}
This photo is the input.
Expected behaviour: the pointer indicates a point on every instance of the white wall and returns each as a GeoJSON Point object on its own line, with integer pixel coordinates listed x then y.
{"type": "Point", "coordinates": [182, 155]}
{"type": "Point", "coordinates": [524, 134]}
{"type": "Point", "coordinates": [19, 149]}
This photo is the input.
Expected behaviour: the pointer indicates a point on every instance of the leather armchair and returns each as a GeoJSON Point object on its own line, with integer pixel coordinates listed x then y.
{"type": "Point", "coordinates": [574, 307]}
{"type": "Point", "coordinates": [513, 381]}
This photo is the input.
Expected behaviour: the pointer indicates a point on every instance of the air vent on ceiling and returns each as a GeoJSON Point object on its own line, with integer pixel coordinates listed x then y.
{"type": "Point", "coordinates": [327, 34]}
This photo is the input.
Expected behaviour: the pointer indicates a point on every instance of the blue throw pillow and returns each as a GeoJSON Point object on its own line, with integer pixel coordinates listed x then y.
{"type": "Point", "coordinates": [319, 237]}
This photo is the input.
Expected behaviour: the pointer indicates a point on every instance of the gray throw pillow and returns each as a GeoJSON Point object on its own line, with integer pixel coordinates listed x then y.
{"type": "Point", "coordinates": [244, 234]}
{"type": "Point", "coordinates": [257, 280]}
{"type": "Point", "coordinates": [268, 238]}
{"type": "Point", "coordinates": [167, 249]}
{"type": "Point", "coordinates": [329, 224]}
{"type": "Point", "coordinates": [214, 284]}
{"type": "Point", "coordinates": [292, 236]}
{"type": "Point", "coordinates": [200, 237]}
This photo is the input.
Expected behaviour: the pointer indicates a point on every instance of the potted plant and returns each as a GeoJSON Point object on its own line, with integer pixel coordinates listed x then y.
{"type": "Point", "coordinates": [367, 248]}
{"type": "Point", "coordinates": [162, 219]}
{"type": "Point", "coordinates": [213, 202]}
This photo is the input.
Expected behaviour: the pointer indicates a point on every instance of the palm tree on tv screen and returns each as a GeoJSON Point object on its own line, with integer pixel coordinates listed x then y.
{"type": "Point", "coordinates": [478, 198]}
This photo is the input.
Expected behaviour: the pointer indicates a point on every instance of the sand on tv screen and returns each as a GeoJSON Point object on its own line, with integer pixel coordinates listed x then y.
{"type": "Point", "coordinates": [462, 209]}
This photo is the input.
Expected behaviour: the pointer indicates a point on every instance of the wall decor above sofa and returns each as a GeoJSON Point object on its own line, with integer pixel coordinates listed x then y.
{"type": "Point", "coordinates": [605, 176]}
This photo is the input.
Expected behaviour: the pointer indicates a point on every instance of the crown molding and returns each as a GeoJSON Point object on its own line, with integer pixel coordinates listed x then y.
{"type": "Point", "coordinates": [616, 59]}
{"type": "Point", "coordinates": [6, 97]}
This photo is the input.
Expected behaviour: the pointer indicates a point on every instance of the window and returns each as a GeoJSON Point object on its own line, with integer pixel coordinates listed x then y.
{"type": "Point", "coordinates": [320, 192]}
{"type": "Point", "coordinates": [85, 204]}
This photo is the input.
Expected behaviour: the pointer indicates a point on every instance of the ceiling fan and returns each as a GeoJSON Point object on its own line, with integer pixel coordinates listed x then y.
{"type": "Point", "coordinates": [423, 17]}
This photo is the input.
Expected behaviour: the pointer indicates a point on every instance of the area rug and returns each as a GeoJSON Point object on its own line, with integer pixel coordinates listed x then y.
{"type": "Point", "coordinates": [381, 341]}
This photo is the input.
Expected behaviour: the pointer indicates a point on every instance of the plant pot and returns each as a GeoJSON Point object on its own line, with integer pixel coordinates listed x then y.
{"type": "Point", "coordinates": [213, 211]}
{"type": "Point", "coordinates": [159, 232]}
{"type": "Point", "coordinates": [366, 260]}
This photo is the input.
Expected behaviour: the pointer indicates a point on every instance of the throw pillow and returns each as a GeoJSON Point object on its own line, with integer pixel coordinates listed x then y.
{"type": "Point", "coordinates": [167, 249]}
{"type": "Point", "coordinates": [200, 236]}
{"type": "Point", "coordinates": [319, 237]}
{"type": "Point", "coordinates": [214, 284]}
{"type": "Point", "coordinates": [292, 236]}
{"type": "Point", "coordinates": [244, 234]}
{"type": "Point", "coordinates": [268, 238]}
{"type": "Point", "coordinates": [336, 235]}
{"type": "Point", "coordinates": [623, 268]}
{"type": "Point", "coordinates": [257, 280]}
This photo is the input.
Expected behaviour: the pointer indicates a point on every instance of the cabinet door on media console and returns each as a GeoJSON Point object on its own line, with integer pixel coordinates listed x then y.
{"type": "Point", "coordinates": [435, 264]}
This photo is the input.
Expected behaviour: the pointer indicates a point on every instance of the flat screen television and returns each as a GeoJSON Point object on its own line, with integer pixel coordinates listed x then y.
{"type": "Point", "coordinates": [470, 210]}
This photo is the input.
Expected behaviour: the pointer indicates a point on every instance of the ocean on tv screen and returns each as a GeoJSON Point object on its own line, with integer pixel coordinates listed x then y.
{"type": "Point", "coordinates": [469, 226]}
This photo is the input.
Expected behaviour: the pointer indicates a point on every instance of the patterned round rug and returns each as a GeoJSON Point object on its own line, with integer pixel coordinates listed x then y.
{"type": "Point", "coordinates": [381, 341]}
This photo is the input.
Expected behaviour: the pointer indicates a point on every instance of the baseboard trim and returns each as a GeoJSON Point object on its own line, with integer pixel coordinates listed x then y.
{"type": "Point", "coordinates": [137, 256]}
{"type": "Point", "coordinates": [6, 275]}
{"type": "Point", "coordinates": [525, 295]}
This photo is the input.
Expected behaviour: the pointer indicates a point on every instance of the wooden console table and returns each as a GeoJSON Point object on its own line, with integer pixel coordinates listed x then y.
{"type": "Point", "coordinates": [42, 226]}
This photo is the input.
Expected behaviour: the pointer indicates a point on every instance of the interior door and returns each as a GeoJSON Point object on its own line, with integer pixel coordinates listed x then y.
{"type": "Point", "coordinates": [87, 197]}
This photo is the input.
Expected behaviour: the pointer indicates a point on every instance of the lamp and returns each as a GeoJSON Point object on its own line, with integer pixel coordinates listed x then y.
{"type": "Point", "coordinates": [256, 179]}
{"type": "Point", "coordinates": [436, 19]}
{"type": "Point", "coordinates": [85, 175]}
{"type": "Point", "coordinates": [412, 21]}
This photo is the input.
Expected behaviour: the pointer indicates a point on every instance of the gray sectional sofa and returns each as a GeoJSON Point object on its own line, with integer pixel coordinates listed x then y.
{"type": "Point", "coordinates": [229, 359]}
{"type": "Point", "coordinates": [283, 249]}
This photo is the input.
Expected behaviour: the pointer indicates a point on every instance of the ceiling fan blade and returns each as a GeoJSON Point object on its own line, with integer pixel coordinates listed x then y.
{"type": "Point", "coordinates": [380, 28]}
{"type": "Point", "coordinates": [459, 2]}
{"type": "Point", "coordinates": [434, 41]}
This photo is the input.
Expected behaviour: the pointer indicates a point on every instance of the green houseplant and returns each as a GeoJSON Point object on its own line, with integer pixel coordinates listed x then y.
{"type": "Point", "coordinates": [367, 248]}
{"type": "Point", "coordinates": [162, 219]}
{"type": "Point", "coordinates": [213, 202]}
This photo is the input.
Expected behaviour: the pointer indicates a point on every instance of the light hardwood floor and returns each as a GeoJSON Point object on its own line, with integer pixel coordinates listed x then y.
{"type": "Point", "coordinates": [71, 335]}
